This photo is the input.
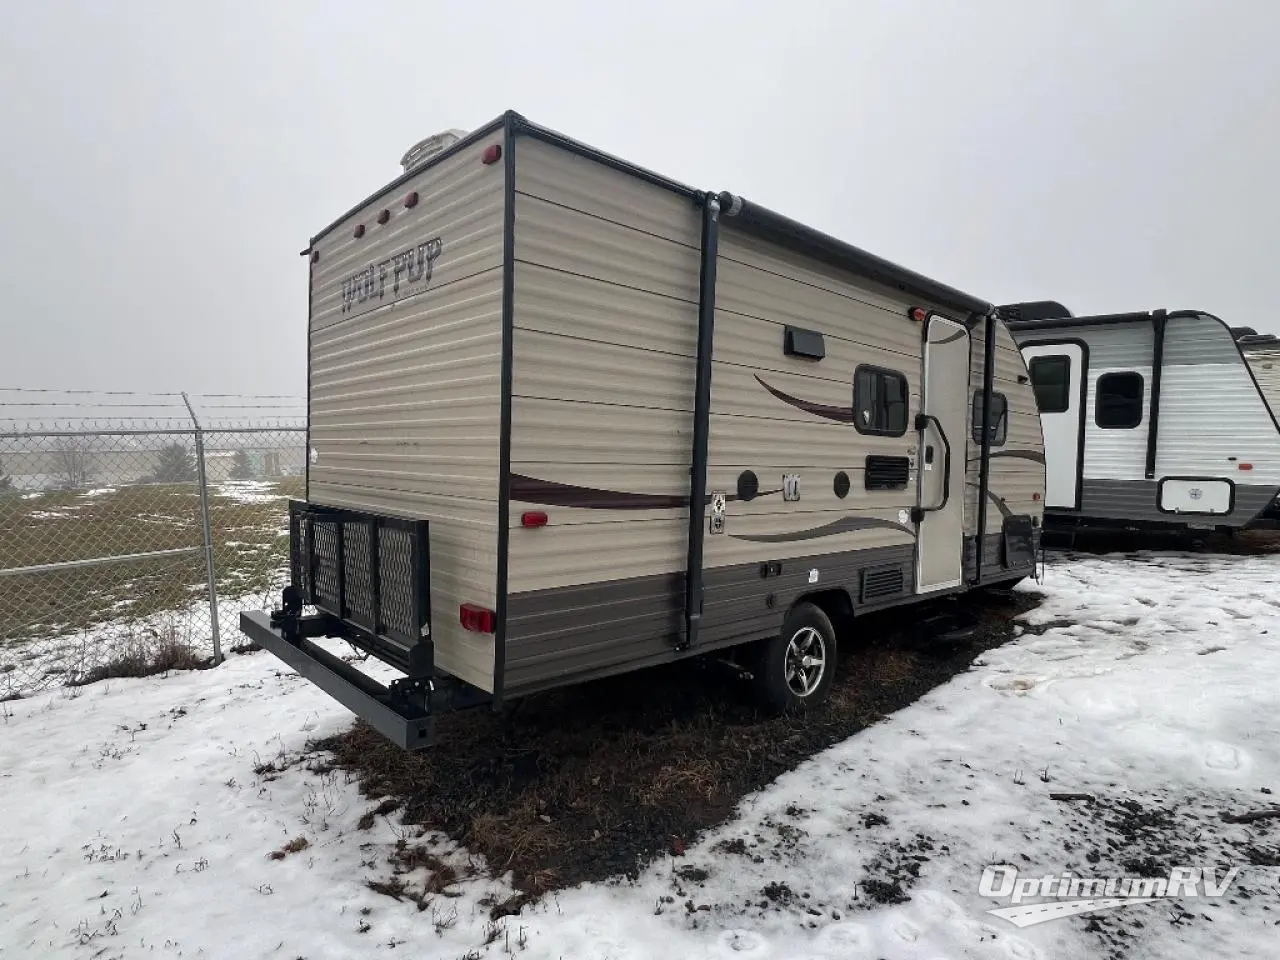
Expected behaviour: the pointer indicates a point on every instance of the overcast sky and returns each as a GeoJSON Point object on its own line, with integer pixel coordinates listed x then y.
{"type": "Point", "coordinates": [164, 162]}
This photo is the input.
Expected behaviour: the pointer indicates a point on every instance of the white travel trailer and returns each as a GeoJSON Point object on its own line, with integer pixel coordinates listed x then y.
{"type": "Point", "coordinates": [569, 418]}
{"type": "Point", "coordinates": [1151, 420]}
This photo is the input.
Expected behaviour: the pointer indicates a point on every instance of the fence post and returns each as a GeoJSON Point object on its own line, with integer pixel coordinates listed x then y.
{"type": "Point", "coordinates": [203, 480]}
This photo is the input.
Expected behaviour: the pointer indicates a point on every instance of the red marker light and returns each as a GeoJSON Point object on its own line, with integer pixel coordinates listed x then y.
{"type": "Point", "coordinates": [477, 619]}
{"type": "Point", "coordinates": [384, 216]}
{"type": "Point", "coordinates": [359, 231]}
{"type": "Point", "coordinates": [492, 154]}
{"type": "Point", "coordinates": [411, 200]}
{"type": "Point", "coordinates": [534, 518]}
{"type": "Point", "coordinates": [918, 314]}
{"type": "Point", "coordinates": [1245, 466]}
{"type": "Point", "coordinates": [315, 256]}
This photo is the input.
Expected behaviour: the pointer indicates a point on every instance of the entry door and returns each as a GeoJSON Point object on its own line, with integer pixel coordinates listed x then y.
{"type": "Point", "coordinates": [1057, 374]}
{"type": "Point", "coordinates": [944, 405]}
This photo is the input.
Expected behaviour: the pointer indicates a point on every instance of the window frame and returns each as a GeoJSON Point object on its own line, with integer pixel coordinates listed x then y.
{"type": "Point", "coordinates": [975, 430]}
{"type": "Point", "coordinates": [882, 372]}
{"type": "Point", "coordinates": [1066, 383]}
{"type": "Point", "coordinates": [1097, 400]}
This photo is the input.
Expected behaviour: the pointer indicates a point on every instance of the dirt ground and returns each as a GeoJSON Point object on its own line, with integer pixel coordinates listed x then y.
{"type": "Point", "coordinates": [594, 781]}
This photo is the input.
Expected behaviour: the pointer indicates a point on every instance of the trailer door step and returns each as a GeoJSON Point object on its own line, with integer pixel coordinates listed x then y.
{"type": "Point", "coordinates": [407, 724]}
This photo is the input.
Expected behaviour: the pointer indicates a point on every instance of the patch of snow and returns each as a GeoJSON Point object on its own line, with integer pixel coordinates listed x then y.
{"type": "Point", "coordinates": [249, 491]}
{"type": "Point", "coordinates": [100, 491]}
{"type": "Point", "coordinates": [137, 825]}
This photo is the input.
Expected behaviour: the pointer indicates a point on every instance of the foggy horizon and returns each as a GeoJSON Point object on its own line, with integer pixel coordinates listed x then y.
{"type": "Point", "coordinates": [167, 163]}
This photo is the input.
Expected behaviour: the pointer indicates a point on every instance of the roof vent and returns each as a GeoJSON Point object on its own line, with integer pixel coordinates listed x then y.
{"type": "Point", "coordinates": [1035, 310]}
{"type": "Point", "coordinates": [424, 150]}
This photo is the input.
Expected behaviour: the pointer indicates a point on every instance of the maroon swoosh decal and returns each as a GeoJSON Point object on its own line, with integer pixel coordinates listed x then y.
{"type": "Point", "coordinates": [843, 525]}
{"type": "Point", "coordinates": [840, 414]}
{"type": "Point", "coordinates": [552, 494]}
{"type": "Point", "coordinates": [1034, 456]}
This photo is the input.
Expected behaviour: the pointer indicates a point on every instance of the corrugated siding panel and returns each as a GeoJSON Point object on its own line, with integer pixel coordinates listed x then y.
{"type": "Point", "coordinates": [1117, 454]}
{"type": "Point", "coordinates": [1199, 339]}
{"type": "Point", "coordinates": [1266, 371]}
{"type": "Point", "coordinates": [1212, 412]}
{"type": "Point", "coordinates": [406, 383]}
{"type": "Point", "coordinates": [573, 242]}
{"type": "Point", "coordinates": [605, 322]}
{"type": "Point", "coordinates": [740, 249]}
{"type": "Point", "coordinates": [1014, 480]}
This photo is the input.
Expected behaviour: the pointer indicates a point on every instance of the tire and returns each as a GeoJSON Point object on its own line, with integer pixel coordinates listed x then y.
{"type": "Point", "coordinates": [779, 686]}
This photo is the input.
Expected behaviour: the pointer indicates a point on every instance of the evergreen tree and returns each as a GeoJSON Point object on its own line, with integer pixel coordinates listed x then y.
{"type": "Point", "coordinates": [176, 465]}
{"type": "Point", "coordinates": [242, 469]}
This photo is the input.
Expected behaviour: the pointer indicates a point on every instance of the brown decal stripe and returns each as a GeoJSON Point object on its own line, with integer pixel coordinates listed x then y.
{"type": "Point", "coordinates": [841, 414]}
{"type": "Point", "coordinates": [552, 494]}
{"type": "Point", "coordinates": [995, 498]}
{"type": "Point", "coordinates": [843, 525]}
{"type": "Point", "coordinates": [1035, 456]}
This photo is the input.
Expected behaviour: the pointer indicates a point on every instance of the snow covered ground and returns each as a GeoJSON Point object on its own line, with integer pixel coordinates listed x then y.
{"type": "Point", "coordinates": [140, 815]}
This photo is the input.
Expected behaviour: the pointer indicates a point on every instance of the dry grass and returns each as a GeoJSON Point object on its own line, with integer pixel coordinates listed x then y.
{"type": "Point", "coordinates": [594, 781]}
{"type": "Point", "coordinates": [144, 654]}
{"type": "Point", "coordinates": [250, 538]}
{"type": "Point", "coordinates": [296, 845]}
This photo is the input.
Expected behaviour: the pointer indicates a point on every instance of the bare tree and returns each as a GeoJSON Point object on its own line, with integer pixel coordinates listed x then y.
{"type": "Point", "coordinates": [72, 458]}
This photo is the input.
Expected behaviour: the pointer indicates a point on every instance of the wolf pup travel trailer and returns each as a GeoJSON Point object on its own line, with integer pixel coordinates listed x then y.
{"type": "Point", "coordinates": [1151, 420]}
{"type": "Point", "coordinates": [568, 418]}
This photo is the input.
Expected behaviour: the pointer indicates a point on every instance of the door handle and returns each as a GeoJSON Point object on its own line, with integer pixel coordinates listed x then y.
{"type": "Point", "coordinates": [922, 422]}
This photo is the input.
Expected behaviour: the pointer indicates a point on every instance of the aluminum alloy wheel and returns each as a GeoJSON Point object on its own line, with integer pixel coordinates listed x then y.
{"type": "Point", "coordinates": [805, 662]}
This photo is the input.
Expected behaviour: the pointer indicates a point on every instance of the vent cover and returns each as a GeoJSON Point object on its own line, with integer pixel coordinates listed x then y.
{"type": "Point", "coordinates": [879, 582]}
{"type": "Point", "coordinates": [887, 473]}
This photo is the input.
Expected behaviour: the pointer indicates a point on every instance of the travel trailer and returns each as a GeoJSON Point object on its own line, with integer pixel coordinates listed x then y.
{"type": "Point", "coordinates": [569, 418]}
{"type": "Point", "coordinates": [1151, 420]}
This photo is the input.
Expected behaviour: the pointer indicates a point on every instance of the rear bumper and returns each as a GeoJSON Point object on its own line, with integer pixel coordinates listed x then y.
{"type": "Point", "coordinates": [404, 719]}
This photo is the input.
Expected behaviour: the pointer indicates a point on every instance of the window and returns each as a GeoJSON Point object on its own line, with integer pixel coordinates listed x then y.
{"type": "Point", "coordinates": [1051, 380]}
{"type": "Point", "coordinates": [1119, 401]}
{"type": "Point", "coordinates": [879, 401]}
{"type": "Point", "coordinates": [999, 418]}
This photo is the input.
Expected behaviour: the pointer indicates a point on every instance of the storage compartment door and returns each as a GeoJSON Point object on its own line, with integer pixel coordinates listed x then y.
{"type": "Point", "coordinates": [1207, 495]}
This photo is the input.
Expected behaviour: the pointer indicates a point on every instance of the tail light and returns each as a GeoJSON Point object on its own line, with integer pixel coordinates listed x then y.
{"type": "Point", "coordinates": [477, 619]}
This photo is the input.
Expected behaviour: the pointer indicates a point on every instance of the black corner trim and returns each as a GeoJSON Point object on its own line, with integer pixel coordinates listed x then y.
{"type": "Point", "coordinates": [701, 419]}
{"type": "Point", "coordinates": [504, 442]}
{"type": "Point", "coordinates": [984, 469]}
{"type": "Point", "coordinates": [1159, 320]}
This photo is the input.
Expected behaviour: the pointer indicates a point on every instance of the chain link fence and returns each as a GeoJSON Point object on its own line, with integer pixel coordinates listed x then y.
{"type": "Point", "coordinates": [130, 545]}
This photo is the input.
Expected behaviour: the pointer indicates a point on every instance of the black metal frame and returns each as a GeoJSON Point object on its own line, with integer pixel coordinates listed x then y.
{"type": "Point", "coordinates": [373, 628]}
{"type": "Point", "coordinates": [701, 420]}
{"type": "Point", "coordinates": [984, 461]}
{"type": "Point", "coordinates": [403, 710]}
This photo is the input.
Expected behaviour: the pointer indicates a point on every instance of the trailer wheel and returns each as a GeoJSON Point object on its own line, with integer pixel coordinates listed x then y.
{"type": "Point", "coordinates": [794, 670]}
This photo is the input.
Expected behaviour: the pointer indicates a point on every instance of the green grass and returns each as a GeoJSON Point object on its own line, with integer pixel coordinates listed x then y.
{"type": "Point", "coordinates": [250, 552]}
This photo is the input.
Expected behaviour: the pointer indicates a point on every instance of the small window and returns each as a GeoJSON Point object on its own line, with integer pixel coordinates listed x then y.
{"type": "Point", "coordinates": [803, 343]}
{"type": "Point", "coordinates": [879, 401]}
{"type": "Point", "coordinates": [999, 418]}
{"type": "Point", "coordinates": [1119, 401]}
{"type": "Point", "coordinates": [1051, 380]}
